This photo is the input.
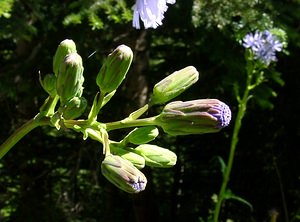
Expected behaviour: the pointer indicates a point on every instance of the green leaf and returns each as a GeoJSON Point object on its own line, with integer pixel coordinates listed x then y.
{"type": "Point", "coordinates": [222, 164]}
{"type": "Point", "coordinates": [229, 195]}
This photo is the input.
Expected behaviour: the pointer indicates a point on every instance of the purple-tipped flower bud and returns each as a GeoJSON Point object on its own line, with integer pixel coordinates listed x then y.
{"type": "Point", "coordinates": [156, 156]}
{"type": "Point", "coordinates": [64, 48]}
{"type": "Point", "coordinates": [115, 68]}
{"type": "Point", "coordinates": [70, 78]}
{"type": "Point", "coordinates": [123, 174]}
{"type": "Point", "coordinates": [173, 85]}
{"type": "Point", "coordinates": [194, 117]}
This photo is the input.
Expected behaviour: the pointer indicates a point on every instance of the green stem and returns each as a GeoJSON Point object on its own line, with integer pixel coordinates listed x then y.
{"type": "Point", "coordinates": [130, 123]}
{"type": "Point", "coordinates": [234, 140]}
{"type": "Point", "coordinates": [21, 132]}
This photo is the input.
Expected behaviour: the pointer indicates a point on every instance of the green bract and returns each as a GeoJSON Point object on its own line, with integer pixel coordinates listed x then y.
{"type": "Point", "coordinates": [114, 70]}
{"type": "Point", "coordinates": [64, 48]}
{"type": "Point", "coordinates": [141, 135]}
{"type": "Point", "coordinates": [70, 78]}
{"type": "Point", "coordinates": [49, 84]}
{"type": "Point", "coordinates": [123, 174]}
{"type": "Point", "coordinates": [173, 85]}
{"type": "Point", "coordinates": [156, 156]}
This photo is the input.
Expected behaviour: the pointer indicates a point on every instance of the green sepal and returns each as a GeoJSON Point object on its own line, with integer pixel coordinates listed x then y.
{"type": "Point", "coordinates": [49, 84]}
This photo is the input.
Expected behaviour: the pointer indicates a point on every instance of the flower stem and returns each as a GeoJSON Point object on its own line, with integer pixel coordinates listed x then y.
{"type": "Point", "coordinates": [242, 107]}
{"type": "Point", "coordinates": [21, 132]}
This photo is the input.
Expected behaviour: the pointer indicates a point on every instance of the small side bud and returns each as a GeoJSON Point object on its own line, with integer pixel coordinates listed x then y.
{"type": "Point", "coordinates": [137, 160]}
{"type": "Point", "coordinates": [115, 68]}
{"type": "Point", "coordinates": [173, 85]}
{"type": "Point", "coordinates": [142, 135]}
{"type": "Point", "coordinates": [156, 156]}
{"type": "Point", "coordinates": [49, 84]}
{"type": "Point", "coordinates": [123, 174]}
{"type": "Point", "coordinates": [70, 78]}
{"type": "Point", "coordinates": [74, 108]}
{"type": "Point", "coordinates": [64, 48]}
{"type": "Point", "coordinates": [194, 117]}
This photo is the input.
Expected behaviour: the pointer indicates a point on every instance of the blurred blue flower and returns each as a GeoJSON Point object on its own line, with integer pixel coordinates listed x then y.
{"type": "Point", "coordinates": [150, 11]}
{"type": "Point", "coordinates": [264, 46]}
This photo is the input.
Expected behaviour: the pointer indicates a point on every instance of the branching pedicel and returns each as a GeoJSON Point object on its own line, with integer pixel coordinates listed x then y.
{"type": "Point", "coordinates": [123, 159]}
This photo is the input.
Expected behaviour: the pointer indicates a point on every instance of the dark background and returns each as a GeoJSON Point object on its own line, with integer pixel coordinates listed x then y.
{"type": "Point", "coordinates": [54, 176]}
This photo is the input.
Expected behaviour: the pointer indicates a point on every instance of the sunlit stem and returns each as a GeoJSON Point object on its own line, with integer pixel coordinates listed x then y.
{"type": "Point", "coordinates": [97, 105]}
{"type": "Point", "coordinates": [21, 132]}
{"type": "Point", "coordinates": [242, 107]}
{"type": "Point", "coordinates": [127, 123]}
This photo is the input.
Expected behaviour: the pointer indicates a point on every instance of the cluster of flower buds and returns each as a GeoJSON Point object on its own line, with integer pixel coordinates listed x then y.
{"type": "Point", "coordinates": [125, 159]}
{"type": "Point", "coordinates": [67, 82]}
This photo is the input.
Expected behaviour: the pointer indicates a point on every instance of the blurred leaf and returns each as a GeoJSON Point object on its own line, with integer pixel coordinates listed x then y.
{"type": "Point", "coordinates": [229, 195]}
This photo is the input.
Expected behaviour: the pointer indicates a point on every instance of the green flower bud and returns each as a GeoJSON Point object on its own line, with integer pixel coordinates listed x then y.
{"type": "Point", "coordinates": [173, 85]}
{"type": "Point", "coordinates": [64, 48]}
{"type": "Point", "coordinates": [156, 156]}
{"type": "Point", "coordinates": [123, 174]}
{"type": "Point", "coordinates": [74, 108]}
{"type": "Point", "coordinates": [141, 135]}
{"type": "Point", "coordinates": [49, 84]}
{"type": "Point", "coordinates": [115, 68]}
{"type": "Point", "coordinates": [70, 78]}
{"type": "Point", "coordinates": [194, 117]}
{"type": "Point", "coordinates": [137, 160]}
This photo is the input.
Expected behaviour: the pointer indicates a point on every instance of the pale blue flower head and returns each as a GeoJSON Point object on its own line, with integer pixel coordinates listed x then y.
{"type": "Point", "coordinates": [151, 12]}
{"type": "Point", "coordinates": [264, 46]}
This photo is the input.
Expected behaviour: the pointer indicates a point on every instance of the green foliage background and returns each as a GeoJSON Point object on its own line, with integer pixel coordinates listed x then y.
{"type": "Point", "coordinates": [51, 176]}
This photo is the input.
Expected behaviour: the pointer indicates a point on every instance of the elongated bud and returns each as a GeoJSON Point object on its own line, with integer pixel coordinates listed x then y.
{"type": "Point", "coordinates": [137, 160]}
{"type": "Point", "coordinates": [156, 156]}
{"type": "Point", "coordinates": [64, 48]}
{"type": "Point", "coordinates": [142, 135]}
{"type": "Point", "coordinates": [70, 78]}
{"type": "Point", "coordinates": [74, 108]}
{"type": "Point", "coordinates": [49, 84]}
{"type": "Point", "coordinates": [123, 174]}
{"type": "Point", "coordinates": [115, 68]}
{"type": "Point", "coordinates": [194, 117]}
{"type": "Point", "coordinates": [173, 85]}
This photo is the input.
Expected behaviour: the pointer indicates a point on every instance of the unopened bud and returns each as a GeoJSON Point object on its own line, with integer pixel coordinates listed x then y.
{"type": "Point", "coordinates": [70, 78]}
{"type": "Point", "coordinates": [142, 135]}
{"type": "Point", "coordinates": [194, 117]}
{"type": "Point", "coordinates": [49, 84]}
{"type": "Point", "coordinates": [173, 85]}
{"type": "Point", "coordinates": [74, 108]}
{"type": "Point", "coordinates": [123, 174]}
{"type": "Point", "coordinates": [156, 156]}
{"type": "Point", "coordinates": [64, 48]}
{"type": "Point", "coordinates": [137, 160]}
{"type": "Point", "coordinates": [115, 68]}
